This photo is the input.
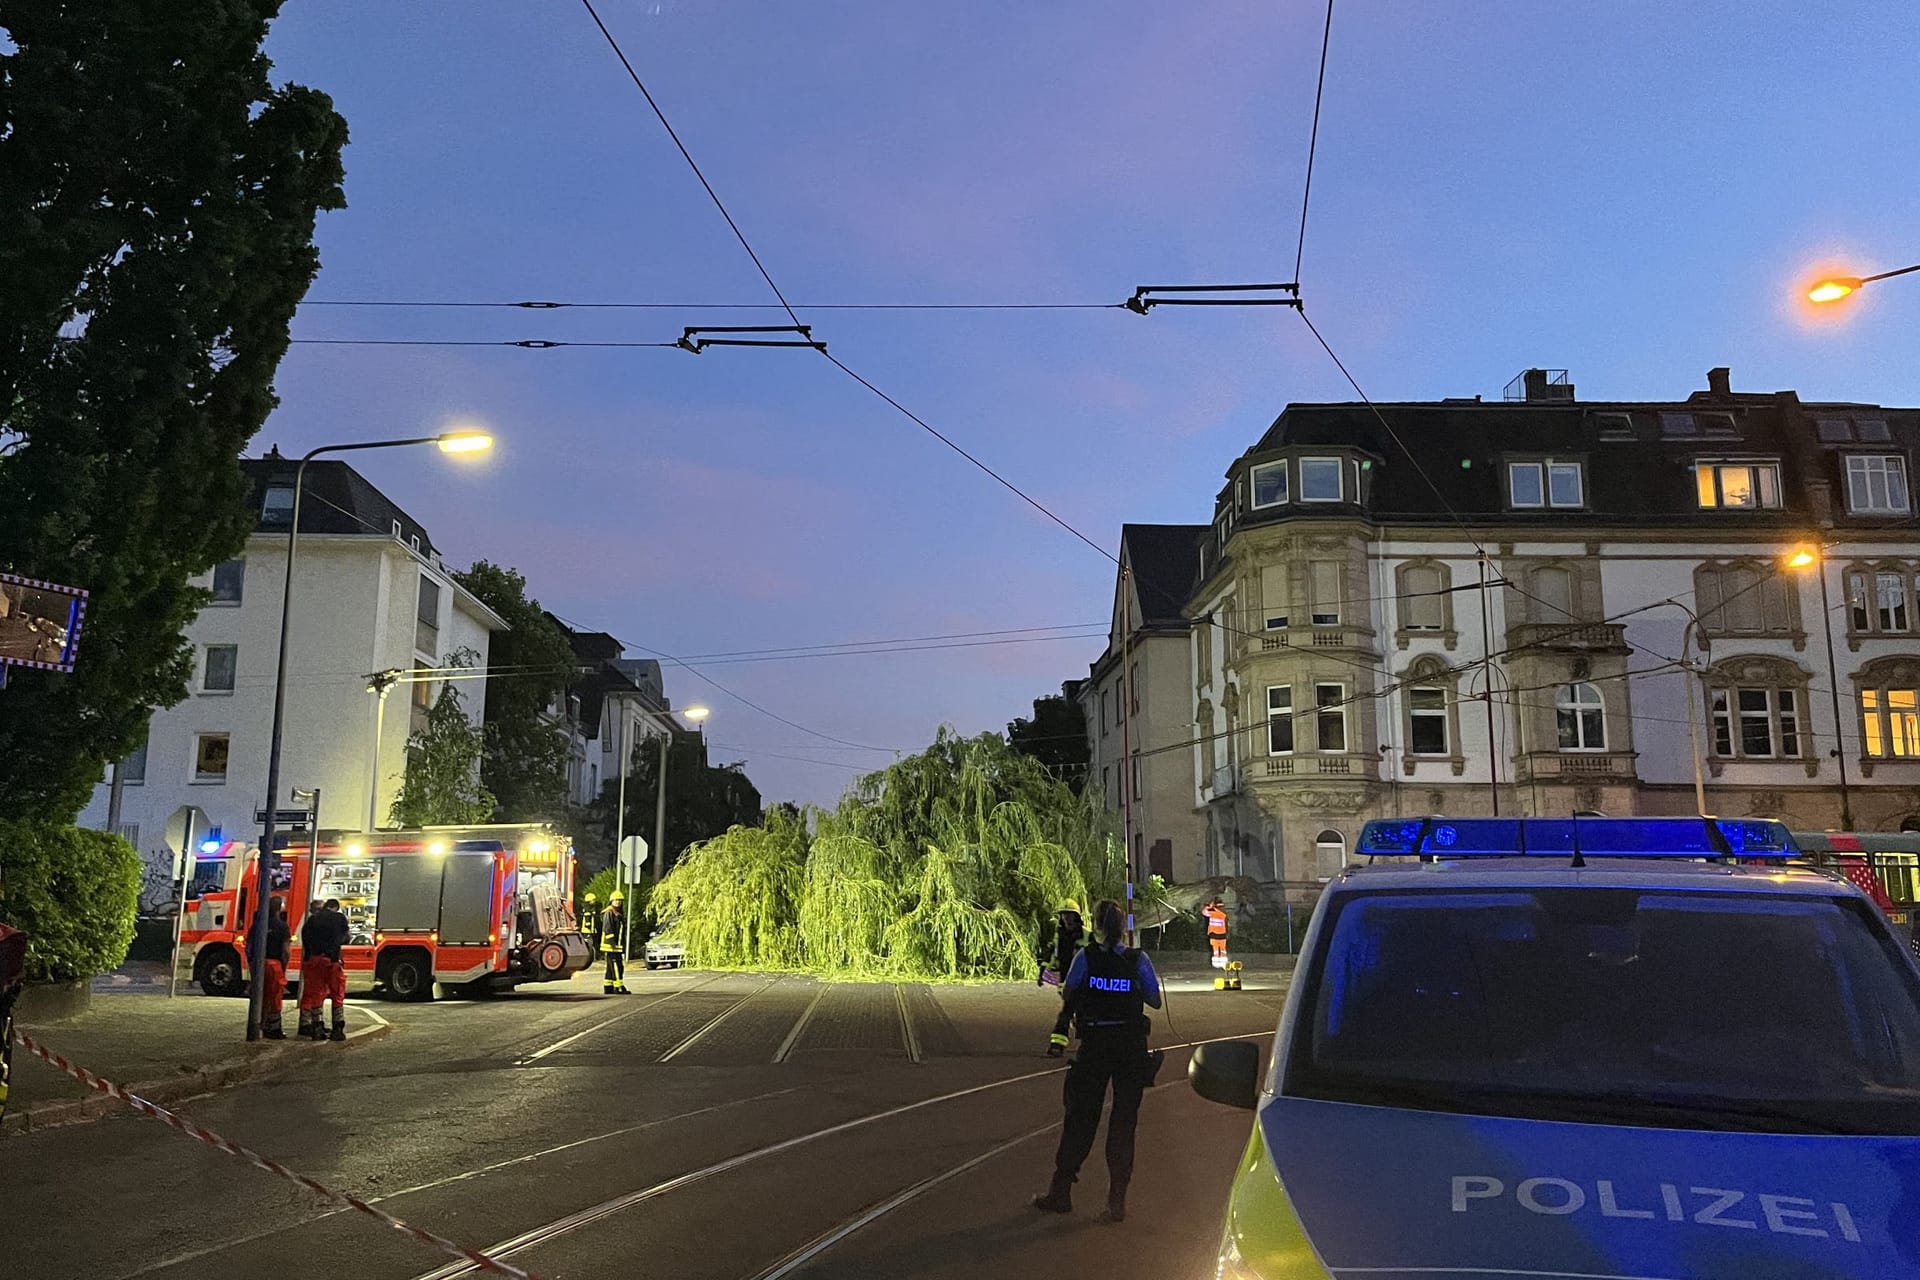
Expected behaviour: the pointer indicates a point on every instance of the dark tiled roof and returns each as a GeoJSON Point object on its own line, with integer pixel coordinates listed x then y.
{"type": "Point", "coordinates": [1166, 567]}
{"type": "Point", "coordinates": [334, 499]}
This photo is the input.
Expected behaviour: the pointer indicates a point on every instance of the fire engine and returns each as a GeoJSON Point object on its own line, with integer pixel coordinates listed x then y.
{"type": "Point", "coordinates": [475, 908]}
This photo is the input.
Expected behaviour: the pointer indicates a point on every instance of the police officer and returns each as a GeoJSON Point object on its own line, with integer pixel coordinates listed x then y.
{"type": "Point", "coordinates": [613, 941]}
{"type": "Point", "coordinates": [1107, 991]}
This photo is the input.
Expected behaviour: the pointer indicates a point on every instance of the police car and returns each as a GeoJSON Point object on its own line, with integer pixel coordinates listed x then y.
{"type": "Point", "coordinates": [1613, 1049]}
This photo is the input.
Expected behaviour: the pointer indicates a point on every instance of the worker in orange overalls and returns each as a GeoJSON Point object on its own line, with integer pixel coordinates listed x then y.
{"type": "Point", "coordinates": [1216, 915]}
{"type": "Point", "coordinates": [274, 982]}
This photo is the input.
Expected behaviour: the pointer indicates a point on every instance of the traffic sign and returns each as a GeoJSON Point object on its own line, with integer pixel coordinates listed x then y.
{"type": "Point", "coordinates": [285, 817]}
{"type": "Point", "coordinates": [633, 856]}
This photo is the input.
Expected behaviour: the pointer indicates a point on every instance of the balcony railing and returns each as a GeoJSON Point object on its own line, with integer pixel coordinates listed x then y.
{"type": "Point", "coordinates": [1584, 637]}
{"type": "Point", "coordinates": [1586, 766]}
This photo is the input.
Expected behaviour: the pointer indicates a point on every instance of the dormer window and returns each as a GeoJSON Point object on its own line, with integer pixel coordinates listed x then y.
{"type": "Point", "coordinates": [1320, 480]}
{"type": "Point", "coordinates": [1269, 484]}
{"type": "Point", "coordinates": [1545, 482]}
{"type": "Point", "coordinates": [276, 508]}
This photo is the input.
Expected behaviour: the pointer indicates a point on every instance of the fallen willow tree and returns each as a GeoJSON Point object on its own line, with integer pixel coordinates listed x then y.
{"type": "Point", "coordinates": [946, 864]}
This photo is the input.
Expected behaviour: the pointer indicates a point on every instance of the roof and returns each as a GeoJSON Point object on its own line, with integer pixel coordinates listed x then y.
{"type": "Point", "coordinates": [608, 672]}
{"type": "Point", "coordinates": [334, 499]}
{"type": "Point", "coordinates": [1165, 559]}
{"type": "Point", "coordinates": [1613, 873]}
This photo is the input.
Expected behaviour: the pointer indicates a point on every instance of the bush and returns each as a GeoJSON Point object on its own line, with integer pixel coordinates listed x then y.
{"type": "Point", "coordinates": [74, 892]}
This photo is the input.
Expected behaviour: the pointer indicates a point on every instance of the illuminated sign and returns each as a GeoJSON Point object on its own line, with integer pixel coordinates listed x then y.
{"type": "Point", "coordinates": [40, 623]}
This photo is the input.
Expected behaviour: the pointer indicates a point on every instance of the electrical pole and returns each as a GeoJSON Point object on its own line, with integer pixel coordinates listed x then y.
{"type": "Point", "coordinates": [1127, 764]}
{"type": "Point", "coordinates": [1486, 681]}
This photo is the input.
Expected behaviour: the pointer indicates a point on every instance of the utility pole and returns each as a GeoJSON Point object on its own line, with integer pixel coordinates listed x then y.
{"type": "Point", "coordinates": [380, 683]}
{"type": "Point", "coordinates": [1486, 691]}
{"type": "Point", "coordinates": [1126, 735]}
{"type": "Point", "coordinates": [1833, 688]}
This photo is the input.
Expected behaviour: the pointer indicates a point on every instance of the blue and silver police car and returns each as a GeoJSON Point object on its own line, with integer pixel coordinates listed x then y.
{"type": "Point", "coordinates": [1583, 1049]}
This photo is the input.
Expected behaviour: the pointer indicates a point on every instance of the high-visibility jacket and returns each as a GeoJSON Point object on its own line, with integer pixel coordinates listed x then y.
{"type": "Point", "coordinates": [1216, 921]}
{"type": "Point", "coordinates": [613, 929]}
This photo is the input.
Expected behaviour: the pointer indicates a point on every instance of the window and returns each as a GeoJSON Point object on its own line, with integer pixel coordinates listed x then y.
{"type": "Point", "coordinates": [1848, 430]}
{"type": "Point", "coordinates": [1582, 718]}
{"type": "Point", "coordinates": [426, 632]}
{"type": "Point", "coordinates": [1678, 424]}
{"type": "Point", "coordinates": [1106, 709]}
{"type": "Point", "coordinates": [1890, 601]}
{"type": "Point", "coordinates": [1330, 716]}
{"type": "Point", "coordinates": [1133, 689]}
{"type": "Point", "coordinates": [1716, 424]}
{"type": "Point", "coordinates": [1552, 589]}
{"type": "Point", "coordinates": [276, 508]}
{"type": "Point", "coordinates": [1273, 597]}
{"type": "Point", "coordinates": [1738, 485]}
{"type": "Point", "coordinates": [1324, 576]}
{"type": "Point", "coordinates": [1269, 484]}
{"type": "Point", "coordinates": [1614, 426]}
{"type": "Point", "coordinates": [1422, 598]}
{"type": "Point", "coordinates": [133, 768]}
{"type": "Point", "coordinates": [130, 832]}
{"type": "Point", "coordinates": [1427, 710]}
{"type": "Point", "coordinates": [1877, 484]}
{"type": "Point", "coordinates": [1524, 485]}
{"type": "Point", "coordinates": [216, 676]}
{"type": "Point", "coordinates": [1877, 601]}
{"type": "Point", "coordinates": [1546, 483]}
{"type": "Point", "coordinates": [1759, 724]}
{"type": "Point", "coordinates": [1891, 718]}
{"type": "Point", "coordinates": [1320, 480]}
{"type": "Point", "coordinates": [422, 703]}
{"type": "Point", "coordinates": [1564, 484]}
{"type": "Point", "coordinates": [210, 757]}
{"type": "Point", "coordinates": [1106, 785]}
{"type": "Point", "coordinates": [228, 576]}
{"type": "Point", "coordinates": [1280, 720]}
{"type": "Point", "coordinates": [1748, 598]}
{"type": "Point", "coordinates": [1136, 773]}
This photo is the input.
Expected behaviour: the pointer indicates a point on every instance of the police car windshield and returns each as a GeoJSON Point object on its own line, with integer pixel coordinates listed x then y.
{"type": "Point", "coordinates": [1684, 1009]}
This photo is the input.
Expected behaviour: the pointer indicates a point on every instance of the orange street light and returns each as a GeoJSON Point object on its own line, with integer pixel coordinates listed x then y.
{"type": "Point", "coordinates": [1835, 288]}
{"type": "Point", "coordinates": [1803, 558]}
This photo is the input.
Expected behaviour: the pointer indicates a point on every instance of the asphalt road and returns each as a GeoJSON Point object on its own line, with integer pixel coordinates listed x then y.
{"type": "Point", "coordinates": [733, 1126]}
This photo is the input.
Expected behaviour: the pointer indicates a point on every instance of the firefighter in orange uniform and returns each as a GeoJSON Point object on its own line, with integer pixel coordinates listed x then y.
{"type": "Point", "coordinates": [279, 951]}
{"type": "Point", "coordinates": [1216, 915]}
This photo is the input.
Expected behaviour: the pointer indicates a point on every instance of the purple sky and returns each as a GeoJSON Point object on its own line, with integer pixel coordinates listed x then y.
{"type": "Point", "coordinates": [1629, 190]}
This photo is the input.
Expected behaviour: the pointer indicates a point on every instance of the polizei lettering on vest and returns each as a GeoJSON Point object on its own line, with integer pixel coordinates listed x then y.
{"type": "Point", "coordinates": [1709, 1206]}
{"type": "Point", "coordinates": [1121, 985]}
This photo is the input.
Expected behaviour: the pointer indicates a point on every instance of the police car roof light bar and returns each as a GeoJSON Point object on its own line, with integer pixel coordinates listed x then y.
{"type": "Point", "coordinates": [1691, 838]}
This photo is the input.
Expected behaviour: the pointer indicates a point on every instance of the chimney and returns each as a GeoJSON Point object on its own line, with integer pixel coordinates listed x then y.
{"type": "Point", "coordinates": [1719, 381]}
{"type": "Point", "coordinates": [1536, 385]}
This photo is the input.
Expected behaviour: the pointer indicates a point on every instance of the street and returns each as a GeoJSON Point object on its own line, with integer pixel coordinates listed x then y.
{"type": "Point", "coordinates": [727, 1125]}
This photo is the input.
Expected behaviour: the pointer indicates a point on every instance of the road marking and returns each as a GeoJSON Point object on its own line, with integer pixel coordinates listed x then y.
{"type": "Point", "coordinates": [906, 1024]}
{"type": "Point", "coordinates": [820, 1244]}
{"type": "Point", "coordinates": [593, 1213]}
{"type": "Point", "coordinates": [724, 1014]}
{"type": "Point", "coordinates": [793, 1036]}
{"type": "Point", "coordinates": [538, 1054]}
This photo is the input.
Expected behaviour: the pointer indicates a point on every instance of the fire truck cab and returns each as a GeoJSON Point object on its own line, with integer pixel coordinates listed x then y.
{"type": "Point", "coordinates": [476, 908]}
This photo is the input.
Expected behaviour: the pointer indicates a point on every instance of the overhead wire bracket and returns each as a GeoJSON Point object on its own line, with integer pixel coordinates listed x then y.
{"type": "Point", "coordinates": [1142, 299]}
{"type": "Point", "coordinates": [696, 341]}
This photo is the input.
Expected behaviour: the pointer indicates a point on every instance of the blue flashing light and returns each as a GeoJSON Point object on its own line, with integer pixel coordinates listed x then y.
{"type": "Point", "coordinates": [209, 846]}
{"type": "Point", "coordinates": [1590, 837]}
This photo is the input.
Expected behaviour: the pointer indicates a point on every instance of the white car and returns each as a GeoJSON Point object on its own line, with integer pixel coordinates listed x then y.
{"type": "Point", "coordinates": [665, 953]}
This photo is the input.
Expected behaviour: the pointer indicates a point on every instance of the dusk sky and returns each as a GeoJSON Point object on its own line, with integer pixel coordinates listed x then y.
{"type": "Point", "coordinates": [1630, 190]}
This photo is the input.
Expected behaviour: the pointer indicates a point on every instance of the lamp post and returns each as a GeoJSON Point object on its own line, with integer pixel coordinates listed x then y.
{"type": "Point", "coordinates": [1694, 668]}
{"type": "Point", "coordinates": [449, 442]}
{"type": "Point", "coordinates": [1811, 557]}
{"type": "Point", "coordinates": [694, 713]}
{"type": "Point", "coordinates": [1834, 288]}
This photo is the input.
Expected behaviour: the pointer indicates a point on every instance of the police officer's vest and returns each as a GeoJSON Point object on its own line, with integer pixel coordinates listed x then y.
{"type": "Point", "coordinates": [1112, 997]}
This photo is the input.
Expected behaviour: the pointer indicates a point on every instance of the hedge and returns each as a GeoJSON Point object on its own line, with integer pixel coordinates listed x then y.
{"type": "Point", "coordinates": [75, 893]}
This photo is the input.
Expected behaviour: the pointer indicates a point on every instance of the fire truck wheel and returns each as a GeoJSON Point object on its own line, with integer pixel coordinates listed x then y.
{"type": "Point", "coordinates": [408, 977]}
{"type": "Point", "coordinates": [219, 974]}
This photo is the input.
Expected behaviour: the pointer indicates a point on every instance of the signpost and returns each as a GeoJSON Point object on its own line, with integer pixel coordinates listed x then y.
{"type": "Point", "coordinates": [632, 856]}
{"type": "Point", "coordinates": [182, 829]}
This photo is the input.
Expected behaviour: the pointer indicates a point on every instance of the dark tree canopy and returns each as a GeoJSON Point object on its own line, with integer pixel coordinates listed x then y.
{"type": "Point", "coordinates": [703, 800]}
{"type": "Point", "coordinates": [525, 765]}
{"type": "Point", "coordinates": [157, 206]}
{"type": "Point", "coordinates": [1056, 736]}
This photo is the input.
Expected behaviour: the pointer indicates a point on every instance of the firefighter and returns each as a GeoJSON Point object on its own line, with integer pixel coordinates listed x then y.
{"type": "Point", "coordinates": [1108, 990]}
{"type": "Point", "coordinates": [1069, 936]}
{"type": "Point", "coordinates": [590, 926]}
{"type": "Point", "coordinates": [323, 975]}
{"type": "Point", "coordinates": [613, 941]}
{"type": "Point", "coordinates": [1216, 915]}
{"type": "Point", "coordinates": [13, 972]}
{"type": "Point", "coordinates": [313, 971]}
{"type": "Point", "coordinates": [274, 984]}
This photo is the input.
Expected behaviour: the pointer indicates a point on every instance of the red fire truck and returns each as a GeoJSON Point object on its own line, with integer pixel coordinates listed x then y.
{"type": "Point", "coordinates": [477, 908]}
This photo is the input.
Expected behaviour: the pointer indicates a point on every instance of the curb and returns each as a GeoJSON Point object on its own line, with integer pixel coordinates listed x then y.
{"type": "Point", "coordinates": [187, 1084]}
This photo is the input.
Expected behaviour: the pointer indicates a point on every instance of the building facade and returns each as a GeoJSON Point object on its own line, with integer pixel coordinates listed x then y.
{"type": "Point", "coordinates": [370, 595]}
{"type": "Point", "coordinates": [613, 701]}
{"type": "Point", "coordinates": [1136, 701]}
{"type": "Point", "coordinates": [1544, 606]}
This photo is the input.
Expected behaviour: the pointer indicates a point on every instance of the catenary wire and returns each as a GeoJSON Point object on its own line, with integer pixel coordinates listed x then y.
{"type": "Point", "coordinates": [1313, 144]}
{"type": "Point", "coordinates": [725, 306]}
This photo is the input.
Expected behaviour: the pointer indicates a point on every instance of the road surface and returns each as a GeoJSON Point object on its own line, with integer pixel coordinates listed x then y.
{"type": "Point", "coordinates": [735, 1126]}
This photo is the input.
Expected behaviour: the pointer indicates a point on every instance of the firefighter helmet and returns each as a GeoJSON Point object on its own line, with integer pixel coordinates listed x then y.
{"type": "Point", "coordinates": [617, 896]}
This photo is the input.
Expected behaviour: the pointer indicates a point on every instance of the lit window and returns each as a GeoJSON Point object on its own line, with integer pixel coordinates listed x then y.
{"type": "Point", "coordinates": [1582, 718]}
{"type": "Point", "coordinates": [1738, 485]}
{"type": "Point", "coordinates": [1891, 718]}
{"type": "Point", "coordinates": [1320, 480]}
{"type": "Point", "coordinates": [1269, 484]}
{"type": "Point", "coordinates": [228, 576]}
{"type": "Point", "coordinates": [1427, 711]}
{"type": "Point", "coordinates": [1280, 720]}
{"type": "Point", "coordinates": [217, 675]}
{"type": "Point", "coordinates": [210, 751]}
{"type": "Point", "coordinates": [277, 507]}
{"type": "Point", "coordinates": [1760, 724]}
{"type": "Point", "coordinates": [1877, 484]}
{"type": "Point", "coordinates": [1330, 716]}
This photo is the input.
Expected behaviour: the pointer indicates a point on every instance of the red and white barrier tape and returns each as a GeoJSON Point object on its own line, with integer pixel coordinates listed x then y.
{"type": "Point", "coordinates": [254, 1158]}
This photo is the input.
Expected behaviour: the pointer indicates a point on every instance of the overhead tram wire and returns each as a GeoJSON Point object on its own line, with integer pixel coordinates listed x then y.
{"type": "Point", "coordinates": [847, 644]}
{"type": "Point", "coordinates": [792, 315]}
{"type": "Point", "coordinates": [1313, 143]}
{"type": "Point", "coordinates": [533, 305]}
{"type": "Point", "coordinates": [528, 344]}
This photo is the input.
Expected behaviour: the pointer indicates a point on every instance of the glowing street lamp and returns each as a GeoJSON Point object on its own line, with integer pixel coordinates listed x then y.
{"type": "Point", "coordinates": [1835, 288]}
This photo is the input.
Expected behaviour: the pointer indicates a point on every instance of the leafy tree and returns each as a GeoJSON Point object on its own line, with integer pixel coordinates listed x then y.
{"type": "Point", "coordinates": [74, 892]}
{"type": "Point", "coordinates": [1056, 736]}
{"type": "Point", "coordinates": [703, 800]}
{"type": "Point", "coordinates": [525, 763]}
{"type": "Point", "coordinates": [157, 206]}
{"type": "Point", "coordinates": [442, 785]}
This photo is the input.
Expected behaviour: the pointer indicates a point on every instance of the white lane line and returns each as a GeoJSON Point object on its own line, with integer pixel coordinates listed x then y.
{"type": "Point", "coordinates": [584, 1217]}
{"type": "Point", "coordinates": [793, 1036]}
{"type": "Point", "coordinates": [724, 1014]}
{"type": "Point", "coordinates": [538, 1054]}
{"type": "Point", "coordinates": [820, 1244]}
{"type": "Point", "coordinates": [906, 1025]}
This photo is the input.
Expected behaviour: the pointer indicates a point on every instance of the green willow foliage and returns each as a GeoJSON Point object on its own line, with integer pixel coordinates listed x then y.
{"type": "Point", "coordinates": [946, 864]}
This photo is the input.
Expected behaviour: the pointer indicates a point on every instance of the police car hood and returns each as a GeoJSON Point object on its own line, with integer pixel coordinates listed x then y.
{"type": "Point", "coordinates": [1391, 1194]}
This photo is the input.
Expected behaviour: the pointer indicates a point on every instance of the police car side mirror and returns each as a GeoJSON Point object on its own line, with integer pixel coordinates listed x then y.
{"type": "Point", "coordinates": [1227, 1072]}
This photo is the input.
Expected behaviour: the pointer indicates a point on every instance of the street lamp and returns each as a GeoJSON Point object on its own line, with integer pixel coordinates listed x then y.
{"type": "Point", "coordinates": [694, 713]}
{"type": "Point", "coordinates": [1834, 288]}
{"type": "Point", "coordinates": [1693, 733]}
{"type": "Point", "coordinates": [1812, 557]}
{"type": "Point", "coordinates": [448, 442]}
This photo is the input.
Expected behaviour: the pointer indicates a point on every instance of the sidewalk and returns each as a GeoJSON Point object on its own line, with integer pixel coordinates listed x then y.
{"type": "Point", "coordinates": [164, 1050]}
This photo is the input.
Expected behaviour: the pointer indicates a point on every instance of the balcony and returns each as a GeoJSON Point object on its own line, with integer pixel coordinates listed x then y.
{"type": "Point", "coordinates": [1582, 765]}
{"type": "Point", "coordinates": [1569, 637]}
{"type": "Point", "coordinates": [1307, 766]}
